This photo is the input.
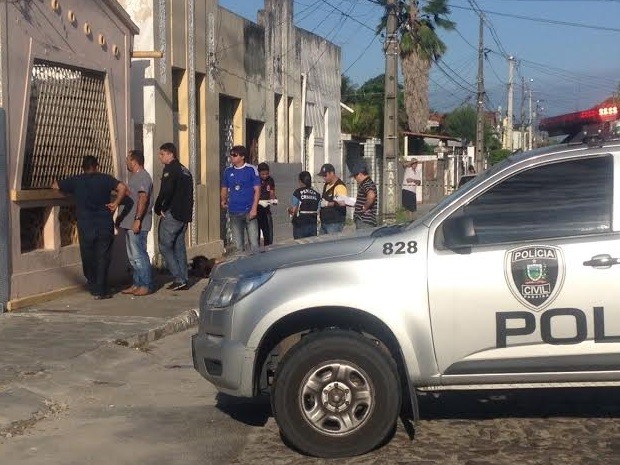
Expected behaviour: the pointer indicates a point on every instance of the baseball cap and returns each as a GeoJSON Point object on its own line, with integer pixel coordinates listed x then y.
{"type": "Point", "coordinates": [358, 167]}
{"type": "Point", "coordinates": [326, 168]}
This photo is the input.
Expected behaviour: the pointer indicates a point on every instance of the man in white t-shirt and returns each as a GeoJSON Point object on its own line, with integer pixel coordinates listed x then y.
{"type": "Point", "coordinates": [412, 180]}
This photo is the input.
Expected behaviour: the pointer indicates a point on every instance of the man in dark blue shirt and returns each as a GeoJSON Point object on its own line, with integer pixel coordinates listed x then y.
{"type": "Point", "coordinates": [92, 191]}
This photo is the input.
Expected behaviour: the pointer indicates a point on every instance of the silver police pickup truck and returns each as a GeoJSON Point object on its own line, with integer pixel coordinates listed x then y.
{"type": "Point", "coordinates": [508, 281]}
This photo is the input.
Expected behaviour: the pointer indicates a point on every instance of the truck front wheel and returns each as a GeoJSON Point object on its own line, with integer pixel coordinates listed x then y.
{"type": "Point", "coordinates": [336, 394]}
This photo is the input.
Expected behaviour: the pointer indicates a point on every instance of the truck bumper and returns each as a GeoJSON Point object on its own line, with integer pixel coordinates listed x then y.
{"type": "Point", "coordinates": [226, 364]}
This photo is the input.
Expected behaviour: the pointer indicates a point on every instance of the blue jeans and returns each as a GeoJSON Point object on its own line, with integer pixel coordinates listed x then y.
{"type": "Point", "coordinates": [242, 228]}
{"type": "Point", "coordinates": [139, 258]}
{"type": "Point", "coordinates": [331, 228]}
{"type": "Point", "coordinates": [172, 246]}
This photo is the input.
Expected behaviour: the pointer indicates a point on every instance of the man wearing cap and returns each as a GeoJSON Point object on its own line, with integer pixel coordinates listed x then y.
{"type": "Point", "coordinates": [332, 214]}
{"type": "Point", "coordinates": [365, 213]}
{"type": "Point", "coordinates": [412, 179]}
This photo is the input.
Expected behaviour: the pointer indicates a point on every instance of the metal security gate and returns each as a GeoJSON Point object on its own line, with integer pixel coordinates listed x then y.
{"type": "Point", "coordinates": [67, 119]}
{"type": "Point", "coordinates": [5, 251]}
{"type": "Point", "coordinates": [227, 131]}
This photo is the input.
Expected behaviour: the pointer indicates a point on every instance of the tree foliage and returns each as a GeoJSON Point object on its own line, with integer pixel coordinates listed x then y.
{"type": "Point", "coordinates": [420, 46]}
{"type": "Point", "coordinates": [347, 89]}
{"type": "Point", "coordinates": [497, 155]}
{"type": "Point", "coordinates": [461, 123]}
{"type": "Point", "coordinates": [367, 104]}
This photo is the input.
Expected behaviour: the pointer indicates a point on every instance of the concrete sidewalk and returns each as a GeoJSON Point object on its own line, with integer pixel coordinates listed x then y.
{"type": "Point", "coordinates": [45, 342]}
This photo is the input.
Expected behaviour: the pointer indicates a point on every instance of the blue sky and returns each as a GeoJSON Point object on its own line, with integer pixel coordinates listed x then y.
{"type": "Point", "coordinates": [570, 66]}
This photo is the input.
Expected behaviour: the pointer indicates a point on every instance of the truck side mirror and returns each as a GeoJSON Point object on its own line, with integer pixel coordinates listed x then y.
{"type": "Point", "coordinates": [459, 232]}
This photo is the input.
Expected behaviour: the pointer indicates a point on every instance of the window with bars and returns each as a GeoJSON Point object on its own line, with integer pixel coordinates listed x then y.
{"type": "Point", "coordinates": [67, 119]}
{"type": "Point", "coordinates": [32, 224]}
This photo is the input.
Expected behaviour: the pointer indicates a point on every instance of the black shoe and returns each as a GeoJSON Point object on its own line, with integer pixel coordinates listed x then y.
{"type": "Point", "coordinates": [173, 285]}
{"type": "Point", "coordinates": [178, 286]}
{"type": "Point", "coordinates": [102, 297]}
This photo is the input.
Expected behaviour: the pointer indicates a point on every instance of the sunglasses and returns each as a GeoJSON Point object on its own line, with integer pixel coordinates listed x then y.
{"type": "Point", "coordinates": [235, 155]}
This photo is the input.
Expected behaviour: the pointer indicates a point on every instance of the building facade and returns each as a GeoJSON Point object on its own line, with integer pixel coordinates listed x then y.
{"type": "Point", "coordinates": [64, 93]}
{"type": "Point", "coordinates": [224, 80]}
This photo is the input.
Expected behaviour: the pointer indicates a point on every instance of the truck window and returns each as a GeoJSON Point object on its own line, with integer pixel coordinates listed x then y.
{"type": "Point", "coordinates": [568, 198]}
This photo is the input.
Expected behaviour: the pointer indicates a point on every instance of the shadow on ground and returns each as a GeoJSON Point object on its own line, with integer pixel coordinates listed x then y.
{"type": "Point", "coordinates": [252, 412]}
{"type": "Point", "coordinates": [600, 402]}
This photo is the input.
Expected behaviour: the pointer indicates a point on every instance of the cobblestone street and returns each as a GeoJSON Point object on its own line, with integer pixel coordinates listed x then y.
{"type": "Point", "coordinates": [127, 406]}
{"type": "Point", "coordinates": [554, 426]}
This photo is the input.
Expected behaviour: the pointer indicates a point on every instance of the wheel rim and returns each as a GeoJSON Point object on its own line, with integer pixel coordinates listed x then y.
{"type": "Point", "coordinates": [337, 398]}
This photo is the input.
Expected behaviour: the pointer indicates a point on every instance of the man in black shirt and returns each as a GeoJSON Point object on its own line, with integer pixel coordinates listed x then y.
{"type": "Point", "coordinates": [91, 191]}
{"type": "Point", "coordinates": [174, 205]}
{"type": "Point", "coordinates": [267, 196]}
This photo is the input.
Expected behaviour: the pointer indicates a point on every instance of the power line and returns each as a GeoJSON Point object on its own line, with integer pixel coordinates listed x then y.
{"type": "Point", "coordinates": [348, 15]}
{"type": "Point", "coordinates": [361, 54]}
{"type": "Point", "coordinates": [541, 20]}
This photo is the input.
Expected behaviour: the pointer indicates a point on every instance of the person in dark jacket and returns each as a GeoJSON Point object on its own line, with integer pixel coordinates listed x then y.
{"type": "Point", "coordinates": [333, 215]}
{"type": "Point", "coordinates": [305, 208]}
{"type": "Point", "coordinates": [174, 206]}
{"type": "Point", "coordinates": [267, 197]}
{"type": "Point", "coordinates": [92, 191]}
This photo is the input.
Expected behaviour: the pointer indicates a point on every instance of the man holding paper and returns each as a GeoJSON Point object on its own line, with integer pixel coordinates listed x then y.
{"type": "Point", "coordinates": [333, 214]}
{"type": "Point", "coordinates": [365, 213]}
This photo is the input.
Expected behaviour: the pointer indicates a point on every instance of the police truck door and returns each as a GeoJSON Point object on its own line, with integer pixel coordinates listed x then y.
{"type": "Point", "coordinates": [523, 278]}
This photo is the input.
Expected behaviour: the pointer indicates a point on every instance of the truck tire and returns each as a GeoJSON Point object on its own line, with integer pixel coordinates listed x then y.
{"type": "Point", "coordinates": [336, 394]}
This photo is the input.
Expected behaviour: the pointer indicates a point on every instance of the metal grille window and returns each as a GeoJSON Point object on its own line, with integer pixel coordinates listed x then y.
{"type": "Point", "coordinates": [67, 119]}
{"type": "Point", "coordinates": [68, 226]}
{"type": "Point", "coordinates": [32, 223]}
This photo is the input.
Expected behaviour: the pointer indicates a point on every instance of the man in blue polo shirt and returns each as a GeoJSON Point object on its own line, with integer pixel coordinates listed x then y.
{"type": "Point", "coordinates": [239, 193]}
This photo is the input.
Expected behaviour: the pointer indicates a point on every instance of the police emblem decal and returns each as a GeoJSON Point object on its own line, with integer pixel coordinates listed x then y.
{"type": "Point", "coordinates": [535, 274]}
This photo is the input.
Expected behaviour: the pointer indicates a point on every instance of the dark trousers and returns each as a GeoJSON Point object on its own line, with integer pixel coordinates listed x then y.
{"type": "Point", "coordinates": [265, 224]}
{"type": "Point", "coordinates": [95, 247]}
{"type": "Point", "coordinates": [409, 200]}
{"type": "Point", "coordinates": [304, 230]}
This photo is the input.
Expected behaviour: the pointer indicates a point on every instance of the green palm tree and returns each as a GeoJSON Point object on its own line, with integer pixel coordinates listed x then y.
{"type": "Point", "coordinates": [420, 46]}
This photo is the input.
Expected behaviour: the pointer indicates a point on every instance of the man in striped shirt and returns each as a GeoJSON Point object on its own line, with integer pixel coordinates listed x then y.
{"type": "Point", "coordinates": [365, 213]}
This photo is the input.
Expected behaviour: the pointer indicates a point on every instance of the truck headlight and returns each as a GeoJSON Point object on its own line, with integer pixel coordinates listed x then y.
{"type": "Point", "coordinates": [224, 292]}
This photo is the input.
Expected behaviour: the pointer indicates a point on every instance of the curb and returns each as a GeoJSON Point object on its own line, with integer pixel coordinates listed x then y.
{"type": "Point", "coordinates": [179, 323]}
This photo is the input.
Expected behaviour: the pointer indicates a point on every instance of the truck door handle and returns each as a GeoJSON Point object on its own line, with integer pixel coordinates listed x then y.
{"type": "Point", "coordinates": [602, 261]}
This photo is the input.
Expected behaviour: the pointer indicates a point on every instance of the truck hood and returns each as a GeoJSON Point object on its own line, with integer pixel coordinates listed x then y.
{"type": "Point", "coordinates": [303, 251]}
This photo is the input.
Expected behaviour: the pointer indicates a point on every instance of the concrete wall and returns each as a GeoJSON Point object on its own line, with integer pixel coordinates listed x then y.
{"type": "Point", "coordinates": [88, 34]}
{"type": "Point", "coordinates": [321, 63]}
{"type": "Point", "coordinates": [249, 66]}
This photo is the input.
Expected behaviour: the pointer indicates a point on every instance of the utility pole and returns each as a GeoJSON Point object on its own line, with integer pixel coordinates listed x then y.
{"type": "Point", "coordinates": [530, 145]}
{"type": "Point", "coordinates": [509, 120]}
{"type": "Point", "coordinates": [522, 126]}
{"type": "Point", "coordinates": [479, 155]}
{"type": "Point", "coordinates": [390, 112]}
